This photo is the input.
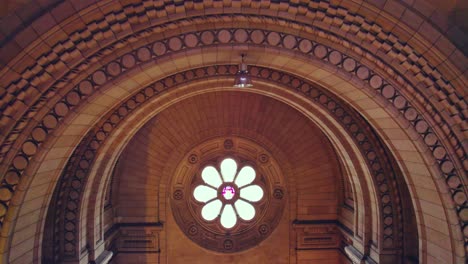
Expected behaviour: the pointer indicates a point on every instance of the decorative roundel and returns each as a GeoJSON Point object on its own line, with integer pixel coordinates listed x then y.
{"type": "Point", "coordinates": [229, 193]}
{"type": "Point", "coordinates": [231, 197]}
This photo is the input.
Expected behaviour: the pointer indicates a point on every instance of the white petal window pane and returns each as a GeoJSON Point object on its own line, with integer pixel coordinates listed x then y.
{"type": "Point", "coordinates": [246, 176]}
{"type": "Point", "coordinates": [228, 169]}
{"type": "Point", "coordinates": [245, 210]}
{"type": "Point", "coordinates": [211, 176]}
{"type": "Point", "coordinates": [204, 193]}
{"type": "Point", "coordinates": [211, 210]}
{"type": "Point", "coordinates": [252, 193]}
{"type": "Point", "coordinates": [228, 217]}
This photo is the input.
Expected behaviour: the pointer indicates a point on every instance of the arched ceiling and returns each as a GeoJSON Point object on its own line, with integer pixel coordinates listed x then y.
{"type": "Point", "coordinates": [421, 112]}
{"type": "Point", "coordinates": [238, 113]}
{"type": "Point", "coordinates": [135, 109]}
{"type": "Point", "coordinates": [153, 154]}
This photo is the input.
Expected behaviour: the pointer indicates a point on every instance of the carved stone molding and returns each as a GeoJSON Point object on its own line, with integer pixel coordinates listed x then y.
{"type": "Point", "coordinates": [76, 171]}
{"type": "Point", "coordinates": [32, 143]}
{"type": "Point", "coordinates": [369, 33]}
{"type": "Point", "coordinates": [317, 234]}
{"type": "Point", "coordinates": [104, 258]}
{"type": "Point", "coordinates": [358, 257]}
{"type": "Point", "coordinates": [32, 87]}
{"type": "Point", "coordinates": [135, 237]}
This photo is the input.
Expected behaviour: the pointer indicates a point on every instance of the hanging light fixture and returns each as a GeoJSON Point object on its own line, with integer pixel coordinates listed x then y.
{"type": "Point", "coordinates": [242, 76]}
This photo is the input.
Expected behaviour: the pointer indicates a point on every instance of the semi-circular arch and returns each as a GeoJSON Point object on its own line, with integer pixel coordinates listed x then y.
{"type": "Point", "coordinates": [124, 134]}
{"type": "Point", "coordinates": [443, 162]}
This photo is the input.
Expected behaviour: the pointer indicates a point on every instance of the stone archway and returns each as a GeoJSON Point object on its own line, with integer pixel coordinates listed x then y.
{"type": "Point", "coordinates": [82, 158]}
{"type": "Point", "coordinates": [447, 153]}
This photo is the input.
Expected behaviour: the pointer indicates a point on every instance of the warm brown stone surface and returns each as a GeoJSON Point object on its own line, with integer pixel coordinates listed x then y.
{"type": "Point", "coordinates": [80, 78]}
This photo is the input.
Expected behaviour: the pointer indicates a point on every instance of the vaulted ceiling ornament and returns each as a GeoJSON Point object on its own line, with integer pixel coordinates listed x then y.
{"type": "Point", "coordinates": [228, 199]}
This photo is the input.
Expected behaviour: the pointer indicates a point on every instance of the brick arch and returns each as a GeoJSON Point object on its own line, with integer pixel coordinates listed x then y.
{"type": "Point", "coordinates": [456, 143]}
{"type": "Point", "coordinates": [362, 18]}
{"type": "Point", "coordinates": [114, 148]}
{"type": "Point", "coordinates": [423, 104]}
{"type": "Point", "coordinates": [425, 134]}
{"type": "Point", "coordinates": [234, 68]}
{"type": "Point", "coordinates": [272, 39]}
{"type": "Point", "coordinates": [427, 74]}
{"type": "Point", "coordinates": [319, 51]}
{"type": "Point", "coordinates": [260, 73]}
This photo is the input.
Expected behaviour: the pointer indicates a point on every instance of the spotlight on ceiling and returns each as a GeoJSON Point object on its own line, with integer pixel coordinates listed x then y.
{"type": "Point", "coordinates": [242, 76]}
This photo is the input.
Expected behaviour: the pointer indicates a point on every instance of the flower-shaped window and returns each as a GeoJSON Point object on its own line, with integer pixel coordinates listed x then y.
{"type": "Point", "coordinates": [228, 193]}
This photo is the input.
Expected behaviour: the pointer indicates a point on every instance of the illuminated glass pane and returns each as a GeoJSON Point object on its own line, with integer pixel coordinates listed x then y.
{"type": "Point", "coordinates": [211, 210]}
{"type": "Point", "coordinates": [211, 176]}
{"type": "Point", "coordinates": [228, 169]}
{"type": "Point", "coordinates": [252, 193]}
{"type": "Point", "coordinates": [204, 193]}
{"type": "Point", "coordinates": [245, 210]}
{"type": "Point", "coordinates": [246, 176]}
{"type": "Point", "coordinates": [228, 192]}
{"type": "Point", "coordinates": [228, 217]}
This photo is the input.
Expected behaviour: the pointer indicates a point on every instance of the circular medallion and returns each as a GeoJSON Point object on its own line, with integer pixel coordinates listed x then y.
{"type": "Point", "coordinates": [178, 195]}
{"type": "Point", "coordinates": [230, 199]}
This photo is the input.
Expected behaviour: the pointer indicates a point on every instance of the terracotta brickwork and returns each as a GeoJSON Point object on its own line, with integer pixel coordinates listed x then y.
{"type": "Point", "coordinates": [79, 79]}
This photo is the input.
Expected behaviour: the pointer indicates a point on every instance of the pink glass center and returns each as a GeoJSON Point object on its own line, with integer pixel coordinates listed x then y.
{"type": "Point", "coordinates": [228, 192]}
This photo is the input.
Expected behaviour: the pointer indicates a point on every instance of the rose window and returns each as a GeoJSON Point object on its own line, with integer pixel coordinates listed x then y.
{"type": "Point", "coordinates": [228, 193]}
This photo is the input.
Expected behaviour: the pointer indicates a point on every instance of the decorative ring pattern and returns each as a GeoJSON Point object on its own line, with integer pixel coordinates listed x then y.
{"type": "Point", "coordinates": [143, 54]}
{"type": "Point", "coordinates": [359, 130]}
{"type": "Point", "coordinates": [348, 64]}
{"type": "Point", "coordinates": [51, 121]}
{"type": "Point", "coordinates": [232, 196]}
